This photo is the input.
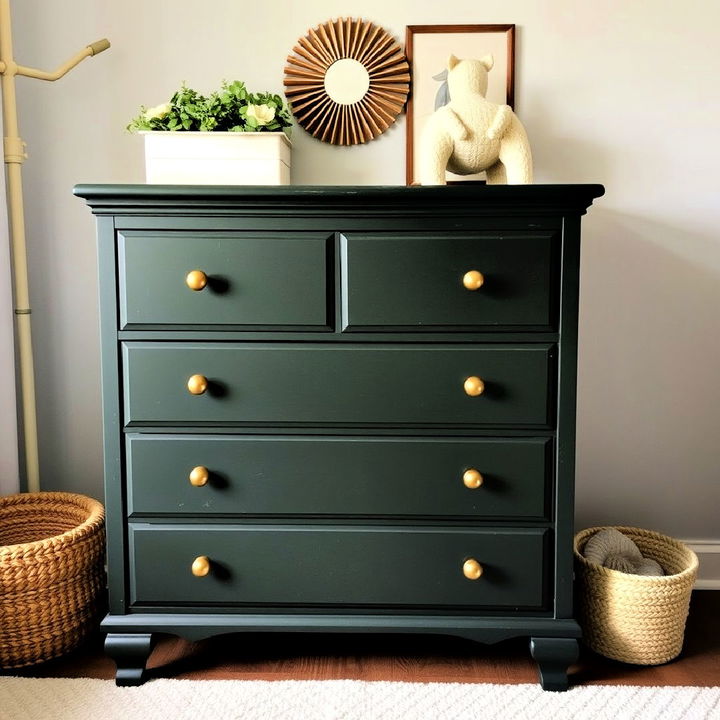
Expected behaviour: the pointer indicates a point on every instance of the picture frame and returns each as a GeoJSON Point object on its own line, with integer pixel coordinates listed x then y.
{"type": "Point", "coordinates": [427, 48]}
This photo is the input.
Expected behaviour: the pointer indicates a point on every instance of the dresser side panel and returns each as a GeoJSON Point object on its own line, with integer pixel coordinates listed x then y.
{"type": "Point", "coordinates": [112, 420]}
{"type": "Point", "coordinates": [566, 409]}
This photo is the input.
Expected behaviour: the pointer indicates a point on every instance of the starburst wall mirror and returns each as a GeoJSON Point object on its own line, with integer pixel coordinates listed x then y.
{"type": "Point", "coordinates": [347, 81]}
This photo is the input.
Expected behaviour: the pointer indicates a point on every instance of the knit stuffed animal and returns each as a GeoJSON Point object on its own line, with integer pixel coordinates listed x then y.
{"type": "Point", "coordinates": [471, 134]}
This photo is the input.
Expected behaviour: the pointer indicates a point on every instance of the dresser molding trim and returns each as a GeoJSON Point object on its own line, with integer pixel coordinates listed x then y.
{"type": "Point", "coordinates": [484, 629]}
{"type": "Point", "coordinates": [298, 200]}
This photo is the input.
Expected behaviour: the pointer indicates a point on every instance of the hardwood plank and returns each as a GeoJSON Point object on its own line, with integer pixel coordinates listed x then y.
{"type": "Point", "coordinates": [399, 658]}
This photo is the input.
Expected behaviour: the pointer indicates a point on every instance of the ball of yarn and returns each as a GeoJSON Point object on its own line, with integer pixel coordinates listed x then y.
{"type": "Point", "coordinates": [611, 549]}
{"type": "Point", "coordinates": [649, 567]}
{"type": "Point", "coordinates": [610, 541]}
{"type": "Point", "coordinates": [618, 561]}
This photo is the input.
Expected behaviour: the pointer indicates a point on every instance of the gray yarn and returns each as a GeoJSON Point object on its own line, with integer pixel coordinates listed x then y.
{"type": "Point", "coordinates": [611, 549]}
{"type": "Point", "coordinates": [649, 567]}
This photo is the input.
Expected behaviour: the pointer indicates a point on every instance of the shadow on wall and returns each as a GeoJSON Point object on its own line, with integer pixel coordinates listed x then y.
{"type": "Point", "coordinates": [571, 160]}
{"type": "Point", "coordinates": [648, 380]}
{"type": "Point", "coordinates": [562, 146]}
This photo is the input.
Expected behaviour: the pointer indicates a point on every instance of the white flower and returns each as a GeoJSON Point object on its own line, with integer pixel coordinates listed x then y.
{"type": "Point", "coordinates": [158, 111]}
{"type": "Point", "coordinates": [263, 114]}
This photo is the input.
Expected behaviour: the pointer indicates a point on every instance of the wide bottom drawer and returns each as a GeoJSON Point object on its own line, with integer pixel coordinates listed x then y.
{"type": "Point", "coordinates": [336, 565]}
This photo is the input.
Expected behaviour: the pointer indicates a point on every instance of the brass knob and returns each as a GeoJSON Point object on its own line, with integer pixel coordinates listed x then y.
{"type": "Point", "coordinates": [474, 386]}
{"type": "Point", "coordinates": [199, 476]}
{"type": "Point", "coordinates": [196, 280]}
{"type": "Point", "coordinates": [472, 569]}
{"type": "Point", "coordinates": [473, 280]}
{"type": "Point", "coordinates": [471, 479]}
{"type": "Point", "coordinates": [197, 384]}
{"type": "Point", "coordinates": [201, 566]}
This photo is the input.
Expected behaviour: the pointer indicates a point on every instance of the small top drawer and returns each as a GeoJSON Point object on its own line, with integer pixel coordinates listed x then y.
{"type": "Point", "coordinates": [243, 279]}
{"type": "Point", "coordinates": [490, 281]}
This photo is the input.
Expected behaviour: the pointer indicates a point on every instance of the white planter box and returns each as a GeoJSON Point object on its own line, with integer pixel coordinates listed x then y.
{"type": "Point", "coordinates": [217, 158]}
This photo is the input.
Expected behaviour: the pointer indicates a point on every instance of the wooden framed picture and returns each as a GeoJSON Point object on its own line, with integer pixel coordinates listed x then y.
{"type": "Point", "coordinates": [428, 48]}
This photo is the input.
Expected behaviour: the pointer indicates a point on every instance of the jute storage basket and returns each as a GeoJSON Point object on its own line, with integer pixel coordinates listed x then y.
{"type": "Point", "coordinates": [52, 550]}
{"type": "Point", "coordinates": [632, 618]}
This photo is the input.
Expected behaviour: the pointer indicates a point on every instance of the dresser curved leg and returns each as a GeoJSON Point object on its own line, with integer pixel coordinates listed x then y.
{"type": "Point", "coordinates": [130, 652]}
{"type": "Point", "coordinates": [553, 657]}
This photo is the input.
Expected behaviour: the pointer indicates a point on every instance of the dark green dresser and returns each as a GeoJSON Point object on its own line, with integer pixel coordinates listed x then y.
{"type": "Point", "coordinates": [340, 409]}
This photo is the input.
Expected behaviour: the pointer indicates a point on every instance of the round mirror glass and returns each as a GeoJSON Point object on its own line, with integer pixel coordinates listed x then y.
{"type": "Point", "coordinates": [347, 81]}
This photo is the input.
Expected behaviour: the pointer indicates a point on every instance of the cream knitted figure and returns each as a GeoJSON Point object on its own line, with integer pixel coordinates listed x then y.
{"type": "Point", "coordinates": [471, 134]}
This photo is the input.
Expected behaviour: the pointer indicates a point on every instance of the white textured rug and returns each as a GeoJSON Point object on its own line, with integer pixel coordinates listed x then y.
{"type": "Point", "coordinates": [85, 699]}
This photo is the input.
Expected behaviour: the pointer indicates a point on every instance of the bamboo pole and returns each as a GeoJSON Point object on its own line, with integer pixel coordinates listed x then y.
{"type": "Point", "coordinates": [14, 150]}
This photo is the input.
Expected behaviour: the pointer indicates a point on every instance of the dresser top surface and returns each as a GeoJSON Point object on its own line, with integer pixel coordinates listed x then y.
{"type": "Point", "coordinates": [518, 198]}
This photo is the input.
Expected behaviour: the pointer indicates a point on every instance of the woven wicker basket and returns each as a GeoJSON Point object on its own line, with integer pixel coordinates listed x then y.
{"type": "Point", "coordinates": [632, 618]}
{"type": "Point", "coordinates": [51, 574]}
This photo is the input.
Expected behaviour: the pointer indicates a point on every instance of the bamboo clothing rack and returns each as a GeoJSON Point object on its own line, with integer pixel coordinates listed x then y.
{"type": "Point", "coordinates": [14, 150]}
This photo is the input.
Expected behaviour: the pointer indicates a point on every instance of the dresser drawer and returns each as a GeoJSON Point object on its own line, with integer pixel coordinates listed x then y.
{"type": "Point", "coordinates": [336, 565]}
{"type": "Point", "coordinates": [250, 279]}
{"type": "Point", "coordinates": [337, 476]}
{"type": "Point", "coordinates": [417, 282]}
{"type": "Point", "coordinates": [335, 384]}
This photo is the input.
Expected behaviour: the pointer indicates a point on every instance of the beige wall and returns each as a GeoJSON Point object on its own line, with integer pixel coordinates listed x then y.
{"type": "Point", "coordinates": [618, 92]}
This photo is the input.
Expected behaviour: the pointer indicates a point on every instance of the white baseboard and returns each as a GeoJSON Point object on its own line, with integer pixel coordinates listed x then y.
{"type": "Point", "coordinates": [708, 552]}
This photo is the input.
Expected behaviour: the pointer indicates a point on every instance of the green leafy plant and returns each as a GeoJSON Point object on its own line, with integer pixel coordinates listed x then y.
{"type": "Point", "coordinates": [230, 109]}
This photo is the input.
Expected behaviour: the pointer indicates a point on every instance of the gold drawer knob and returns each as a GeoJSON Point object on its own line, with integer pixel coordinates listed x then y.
{"type": "Point", "coordinates": [473, 280]}
{"type": "Point", "coordinates": [201, 566]}
{"type": "Point", "coordinates": [472, 479]}
{"type": "Point", "coordinates": [474, 386]}
{"type": "Point", "coordinates": [199, 476]}
{"type": "Point", "coordinates": [196, 280]}
{"type": "Point", "coordinates": [472, 569]}
{"type": "Point", "coordinates": [197, 384]}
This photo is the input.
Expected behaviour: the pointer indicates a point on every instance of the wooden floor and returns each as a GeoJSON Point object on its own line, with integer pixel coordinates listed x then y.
{"type": "Point", "coordinates": [401, 658]}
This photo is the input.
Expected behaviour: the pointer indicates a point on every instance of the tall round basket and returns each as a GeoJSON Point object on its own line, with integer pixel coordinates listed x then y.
{"type": "Point", "coordinates": [52, 579]}
{"type": "Point", "coordinates": [634, 618]}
